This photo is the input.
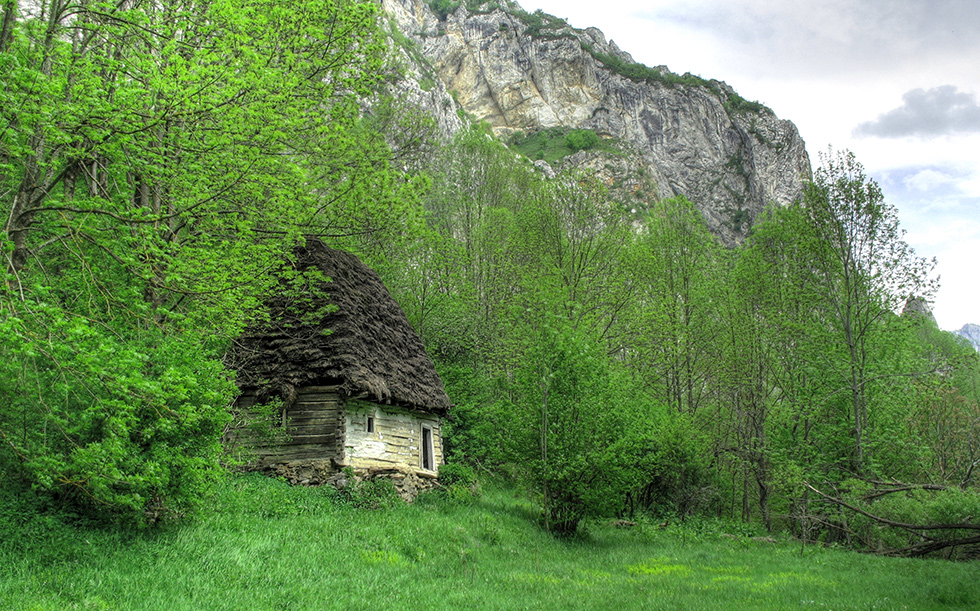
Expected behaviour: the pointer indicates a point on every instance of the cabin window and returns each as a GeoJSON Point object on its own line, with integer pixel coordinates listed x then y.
{"type": "Point", "coordinates": [428, 454]}
{"type": "Point", "coordinates": [370, 424]}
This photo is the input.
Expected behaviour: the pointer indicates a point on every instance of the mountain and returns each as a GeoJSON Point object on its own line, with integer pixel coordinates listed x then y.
{"type": "Point", "coordinates": [971, 333]}
{"type": "Point", "coordinates": [662, 134]}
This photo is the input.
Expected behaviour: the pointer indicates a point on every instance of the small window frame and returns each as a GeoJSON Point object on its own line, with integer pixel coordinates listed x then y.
{"type": "Point", "coordinates": [427, 455]}
{"type": "Point", "coordinates": [369, 425]}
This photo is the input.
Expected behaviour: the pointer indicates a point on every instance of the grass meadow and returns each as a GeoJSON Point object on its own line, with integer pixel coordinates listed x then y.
{"type": "Point", "coordinates": [262, 544]}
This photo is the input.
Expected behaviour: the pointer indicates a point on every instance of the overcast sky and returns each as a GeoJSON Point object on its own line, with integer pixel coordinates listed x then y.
{"type": "Point", "coordinates": [895, 81]}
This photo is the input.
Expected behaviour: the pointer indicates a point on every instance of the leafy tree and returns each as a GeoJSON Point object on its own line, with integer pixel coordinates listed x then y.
{"type": "Point", "coordinates": [865, 271]}
{"type": "Point", "coordinates": [572, 241]}
{"type": "Point", "coordinates": [677, 265]}
{"type": "Point", "coordinates": [157, 163]}
{"type": "Point", "coordinates": [570, 427]}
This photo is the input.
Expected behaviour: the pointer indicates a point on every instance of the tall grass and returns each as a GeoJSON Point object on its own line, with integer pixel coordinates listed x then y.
{"type": "Point", "coordinates": [266, 545]}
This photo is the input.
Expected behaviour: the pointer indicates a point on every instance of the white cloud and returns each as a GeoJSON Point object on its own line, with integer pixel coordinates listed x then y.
{"type": "Point", "coordinates": [927, 180]}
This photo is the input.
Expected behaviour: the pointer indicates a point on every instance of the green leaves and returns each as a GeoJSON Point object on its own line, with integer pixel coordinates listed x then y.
{"type": "Point", "coordinates": [90, 416]}
{"type": "Point", "coordinates": [159, 162]}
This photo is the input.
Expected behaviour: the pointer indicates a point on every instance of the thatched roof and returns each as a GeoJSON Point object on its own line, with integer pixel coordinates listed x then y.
{"type": "Point", "coordinates": [366, 345]}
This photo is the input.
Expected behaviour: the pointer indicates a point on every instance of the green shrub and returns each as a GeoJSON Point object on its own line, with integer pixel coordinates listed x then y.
{"type": "Point", "coordinates": [141, 444]}
{"type": "Point", "coordinates": [459, 481]}
{"type": "Point", "coordinates": [371, 493]}
{"type": "Point", "coordinates": [733, 103]}
{"type": "Point", "coordinates": [443, 8]}
{"type": "Point", "coordinates": [736, 104]}
{"type": "Point", "coordinates": [581, 139]}
{"type": "Point", "coordinates": [457, 473]}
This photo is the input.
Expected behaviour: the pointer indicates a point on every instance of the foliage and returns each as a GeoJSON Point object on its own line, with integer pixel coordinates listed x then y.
{"type": "Point", "coordinates": [677, 264]}
{"type": "Point", "coordinates": [866, 271]}
{"type": "Point", "coordinates": [457, 474]}
{"type": "Point", "coordinates": [733, 103]}
{"type": "Point", "coordinates": [542, 25]}
{"type": "Point", "coordinates": [555, 143]}
{"type": "Point", "coordinates": [459, 481]}
{"type": "Point", "coordinates": [443, 8]}
{"type": "Point", "coordinates": [159, 163]}
{"type": "Point", "coordinates": [640, 73]}
{"type": "Point", "coordinates": [581, 140]}
{"type": "Point", "coordinates": [476, 431]}
{"type": "Point", "coordinates": [736, 104]}
{"type": "Point", "coordinates": [372, 493]}
{"type": "Point", "coordinates": [905, 519]}
{"type": "Point", "coordinates": [90, 417]}
{"type": "Point", "coordinates": [570, 425]}
{"type": "Point", "coordinates": [837, 377]}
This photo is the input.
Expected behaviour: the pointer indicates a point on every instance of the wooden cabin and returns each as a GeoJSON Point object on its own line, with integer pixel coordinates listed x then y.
{"type": "Point", "coordinates": [354, 384]}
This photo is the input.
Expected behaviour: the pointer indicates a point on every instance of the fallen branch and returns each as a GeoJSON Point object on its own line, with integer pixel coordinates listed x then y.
{"type": "Point", "coordinates": [931, 543]}
{"type": "Point", "coordinates": [886, 521]}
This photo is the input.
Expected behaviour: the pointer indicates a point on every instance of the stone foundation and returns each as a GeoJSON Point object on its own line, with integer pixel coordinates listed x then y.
{"type": "Point", "coordinates": [407, 482]}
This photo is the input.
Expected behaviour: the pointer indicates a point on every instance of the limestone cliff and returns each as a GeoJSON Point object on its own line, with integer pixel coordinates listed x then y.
{"type": "Point", "coordinates": [971, 333]}
{"type": "Point", "coordinates": [683, 135]}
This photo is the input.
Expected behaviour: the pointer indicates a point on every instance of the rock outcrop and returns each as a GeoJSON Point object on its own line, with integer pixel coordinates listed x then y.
{"type": "Point", "coordinates": [689, 136]}
{"type": "Point", "coordinates": [972, 334]}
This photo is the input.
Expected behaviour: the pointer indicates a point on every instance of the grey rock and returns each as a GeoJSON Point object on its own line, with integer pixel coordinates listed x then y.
{"type": "Point", "coordinates": [545, 168]}
{"type": "Point", "coordinates": [730, 162]}
{"type": "Point", "coordinates": [972, 334]}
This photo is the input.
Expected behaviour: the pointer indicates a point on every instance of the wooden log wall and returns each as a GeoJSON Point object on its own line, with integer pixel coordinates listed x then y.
{"type": "Point", "coordinates": [313, 428]}
{"type": "Point", "coordinates": [396, 440]}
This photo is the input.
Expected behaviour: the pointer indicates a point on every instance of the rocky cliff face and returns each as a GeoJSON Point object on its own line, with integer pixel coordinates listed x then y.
{"type": "Point", "coordinates": [972, 334]}
{"type": "Point", "coordinates": [684, 135]}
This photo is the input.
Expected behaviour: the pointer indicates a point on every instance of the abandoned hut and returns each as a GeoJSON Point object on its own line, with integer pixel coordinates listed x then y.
{"type": "Point", "coordinates": [356, 386]}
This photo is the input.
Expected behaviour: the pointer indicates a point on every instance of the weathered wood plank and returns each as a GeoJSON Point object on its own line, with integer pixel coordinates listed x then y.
{"type": "Point", "coordinates": [315, 450]}
{"type": "Point", "coordinates": [323, 422]}
{"type": "Point", "coordinates": [320, 439]}
{"type": "Point", "coordinates": [313, 411]}
{"type": "Point", "coordinates": [333, 398]}
{"type": "Point", "coordinates": [306, 390]}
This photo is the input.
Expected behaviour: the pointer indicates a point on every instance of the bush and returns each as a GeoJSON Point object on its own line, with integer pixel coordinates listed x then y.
{"type": "Point", "coordinates": [373, 493]}
{"type": "Point", "coordinates": [457, 474]}
{"type": "Point", "coordinates": [736, 104]}
{"type": "Point", "coordinates": [443, 8]}
{"type": "Point", "coordinates": [459, 481]}
{"type": "Point", "coordinates": [581, 139]}
{"type": "Point", "coordinates": [126, 428]}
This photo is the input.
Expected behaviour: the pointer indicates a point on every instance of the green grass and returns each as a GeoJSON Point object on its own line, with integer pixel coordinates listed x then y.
{"type": "Point", "coordinates": [268, 546]}
{"type": "Point", "coordinates": [555, 143]}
